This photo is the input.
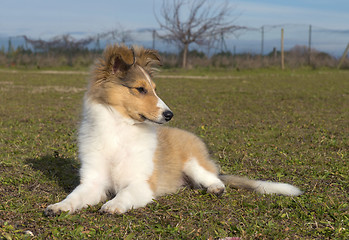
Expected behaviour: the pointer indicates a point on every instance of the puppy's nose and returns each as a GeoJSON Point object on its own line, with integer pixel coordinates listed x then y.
{"type": "Point", "coordinates": [167, 115]}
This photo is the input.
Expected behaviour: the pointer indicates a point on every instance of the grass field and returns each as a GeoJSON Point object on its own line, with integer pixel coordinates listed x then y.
{"type": "Point", "coordinates": [290, 126]}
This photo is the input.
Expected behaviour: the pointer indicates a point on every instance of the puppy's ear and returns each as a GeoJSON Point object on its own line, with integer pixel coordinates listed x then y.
{"type": "Point", "coordinates": [152, 58]}
{"type": "Point", "coordinates": [121, 60]}
{"type": "Point", "coordinates": [149, 59]}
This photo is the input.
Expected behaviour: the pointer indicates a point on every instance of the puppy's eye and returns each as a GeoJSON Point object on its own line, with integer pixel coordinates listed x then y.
{"type": "Point", "coordinates": [141, 90]}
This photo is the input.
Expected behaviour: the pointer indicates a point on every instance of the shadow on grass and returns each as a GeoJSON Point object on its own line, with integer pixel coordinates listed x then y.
{"type": "Point", "coordinates": [65, 171]}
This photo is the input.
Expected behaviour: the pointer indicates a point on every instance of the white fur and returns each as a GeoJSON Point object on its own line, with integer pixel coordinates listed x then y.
{"type": "Point", "coordinates": [116, 155]}
{"type": "Point", "coordinates": [200, 175]}
{"type": "Point", "coordinates": [276, 188]}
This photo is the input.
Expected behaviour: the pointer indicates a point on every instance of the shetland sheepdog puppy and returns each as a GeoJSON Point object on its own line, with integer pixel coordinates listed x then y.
{"type": "Point", "coordinates": [125, 149]}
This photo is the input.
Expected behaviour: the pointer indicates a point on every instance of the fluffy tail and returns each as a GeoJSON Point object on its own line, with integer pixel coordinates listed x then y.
{"type": "Point", "coordinates": [260, 186]}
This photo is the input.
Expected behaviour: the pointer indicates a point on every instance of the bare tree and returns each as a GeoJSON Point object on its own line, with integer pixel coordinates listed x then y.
{"type": "Point", "coordinates": [195, 21]}
{"type": "Point", "coordinates": [118, 35]}
{"type": "Point", "coordinates": [67, 43]}
{"type": "Point", "coordinates": [60, 43]}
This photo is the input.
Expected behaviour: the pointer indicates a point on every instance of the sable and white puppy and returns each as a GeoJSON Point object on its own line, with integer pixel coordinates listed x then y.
{"type": "Point", "coordinates": [125, 150]}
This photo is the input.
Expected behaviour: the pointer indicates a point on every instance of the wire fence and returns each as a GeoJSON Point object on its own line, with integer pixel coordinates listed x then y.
{"type": "Point", "coordinates": [253, 41]}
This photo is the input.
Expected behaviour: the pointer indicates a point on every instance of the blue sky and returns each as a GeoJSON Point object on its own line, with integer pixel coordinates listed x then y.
{"type": "Point", "coordinates": [47, 18]}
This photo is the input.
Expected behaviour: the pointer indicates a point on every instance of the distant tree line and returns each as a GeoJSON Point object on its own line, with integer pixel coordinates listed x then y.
{"type": "Point", "coordinates": [71, 55]}
{"type": "Point", "coordinates": [184, 23]}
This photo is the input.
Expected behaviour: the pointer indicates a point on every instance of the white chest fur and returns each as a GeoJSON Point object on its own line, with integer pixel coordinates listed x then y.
{"type": "Point", "coordinates": [115, 148]}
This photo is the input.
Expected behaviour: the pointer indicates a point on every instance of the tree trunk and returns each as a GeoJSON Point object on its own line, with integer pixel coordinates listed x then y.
{"type": "Point", "coordinates": [185, 55]}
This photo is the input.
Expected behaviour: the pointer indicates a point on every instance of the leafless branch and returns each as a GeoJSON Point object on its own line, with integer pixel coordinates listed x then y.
{"type": "Point", "coordinates": [204, 23]}
{"type": "Point", "coordinates": [65, 42]}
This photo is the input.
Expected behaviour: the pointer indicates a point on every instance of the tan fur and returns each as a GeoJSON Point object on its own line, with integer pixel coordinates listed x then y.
{"type": "Point", "coordinates": [118, 88]}
{"type": "Point", "coordinates": [145, 58]}
{"type": "Point", "coordinates": [175, 147]}
{"type": "Point", "coordinates": [116, 78]}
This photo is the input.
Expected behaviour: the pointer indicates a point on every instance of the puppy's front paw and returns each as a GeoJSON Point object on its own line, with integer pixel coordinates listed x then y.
{"type": "Point", "coordinates": [112, 207]}
{"type": "Point", "coordinates": [57, 208]}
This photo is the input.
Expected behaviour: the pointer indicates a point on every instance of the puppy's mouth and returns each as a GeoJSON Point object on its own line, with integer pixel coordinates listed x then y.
{"type": "Point", "coordinates": [144, 118]}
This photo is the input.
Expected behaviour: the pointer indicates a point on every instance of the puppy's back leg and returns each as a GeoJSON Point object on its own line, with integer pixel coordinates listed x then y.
{"type": "Point", "coordinates": [203, 172]}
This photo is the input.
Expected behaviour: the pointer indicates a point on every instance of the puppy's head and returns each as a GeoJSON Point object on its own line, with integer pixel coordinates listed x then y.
{"type": "Point", "coordinates": [122, 80]}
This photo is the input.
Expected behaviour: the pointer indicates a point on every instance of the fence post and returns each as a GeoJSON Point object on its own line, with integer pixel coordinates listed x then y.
{"type": "Point", "coordinates": [282, 50]}
{"type": "Point", "coordinates": [9, 47]}
{"type": "Point", "coordinates": [275, 54]}
{"type": "Point", "coordinates": [154, 35]}
{"type": "Point", "coordinates": [343, 57]}
{"type": "Point", "coordinates": [309, 46]}
{"type": "Point", "coordinates": [262, 45]}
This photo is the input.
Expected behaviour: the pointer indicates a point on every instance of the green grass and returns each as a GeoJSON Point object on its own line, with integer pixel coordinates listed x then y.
{"type": "Point", "coordinates": [290, 126]}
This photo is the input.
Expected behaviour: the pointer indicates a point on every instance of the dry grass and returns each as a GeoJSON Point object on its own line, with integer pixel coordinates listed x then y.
{"type": "Point", "coordinates": [287, 126]}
